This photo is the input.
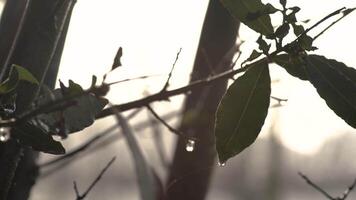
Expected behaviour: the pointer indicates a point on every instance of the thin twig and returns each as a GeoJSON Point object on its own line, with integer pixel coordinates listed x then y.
{"type": "Point", "coordinates": [86, 145]}
{"type": "Point", "coordinates": [169, 127]}
{"type": "Point", "coordinates": [279, 99]}
{"type": "Point", "coordinates": [315, 186]}
{"type": "Point", "coordinates": [78, 149]}
{"type": "Point", "coordinates": [132, 79]}
{"type": "Point", "coordinates": [170, 73]}
{"type": "Point", "coordinates": [321, 21]}
{"type": "Point", "coordinates": [96, 180]}
{"type": "Point", "coordinates": [347, 191]}
{"type": "Point", "coordinates": [169, 93]}
{"type": "Point", "coordinates": [332, 24]}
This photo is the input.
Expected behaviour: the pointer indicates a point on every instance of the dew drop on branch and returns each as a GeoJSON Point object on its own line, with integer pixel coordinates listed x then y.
{"type": "Point", "coordinates": [4, 134]}
{"type": "Point", "coordinates": [221, 164]}
{"type": "Point", "coordinates": [190, 145]}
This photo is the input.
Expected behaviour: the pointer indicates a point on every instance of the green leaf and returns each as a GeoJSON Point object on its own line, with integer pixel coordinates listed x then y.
{"type": "Point", "coordinates": [117, 59]}
{"type": "Point", "coordinates": [348, 11]}
{"type": "Point", "coordinates": [293, 65]}
{"type": "Point", "coordinates": [78, 115]}
{"type": "Point", "coordinates": [298, 29]}
{"type": "Point", "coordinates": [282, 31]}
{"type": "Point", "coordinates": [30, 135]}
{"type": "Point", "coordinates": [24, 74]}
{"type": "Point", "coordinates": [306, 42]}
{"type": "Point", "coordinates": [16, 74]}
{"type": "Point", "coordinates": [294, 9]}
{"type": "Point", "coordinates": [262, 45]}
{"type": "Point", "coordinates": [252, 13]}
{"type": "Point", "coordinates": [242, 111]}
{"type": "Point", "coordinates": [335, 83]}
{"type": "Point", "coordinates": [291, 18]}
{"type": "Point", "coordinates": [283, 2]}
{"type": "Point", "coordinates": [255, 54]}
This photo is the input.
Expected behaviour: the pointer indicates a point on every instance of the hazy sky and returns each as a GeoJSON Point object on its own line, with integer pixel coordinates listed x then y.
{"type": "Point", "coordinates": [151, 33]}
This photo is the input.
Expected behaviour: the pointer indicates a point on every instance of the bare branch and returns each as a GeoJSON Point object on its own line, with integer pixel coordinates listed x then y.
{"type": "Point", "coordinates": [87, 144]}
{"type": "Point", "coordinates": [96, 180]}
{"type": "Point", "coordinates": [315, 186]}
{"type": "Point", "coordinates": [327, 195]}
{"type": "Point", "coordinates": [169, 93]}
{"type": "Point", "coordinates": [347, 191]}
{"type": "Point", "coordinates": [170, 128]}
{"type": "Point", "coordinates": [321, 21]}
{"type": "Point", "coordinates": [280, 100]}
{"type": "Point", "coordinates": [170, 73]}
{"type": "Point", "coordinates": [332, 24]}
{"type": "Point", "coordinates": [132, 79]}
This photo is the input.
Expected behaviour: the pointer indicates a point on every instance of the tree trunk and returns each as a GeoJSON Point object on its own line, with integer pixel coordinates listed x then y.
{"type": "Point", "coordinates": [191, 171]}
{"type": "Point", "coordinates": [38, 48]}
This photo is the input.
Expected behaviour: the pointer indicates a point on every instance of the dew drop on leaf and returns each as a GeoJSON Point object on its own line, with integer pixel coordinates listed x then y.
{"type": "Point", "coordinates": [190, 145]}
{"type": "Point", "coordinates": [4, 134]}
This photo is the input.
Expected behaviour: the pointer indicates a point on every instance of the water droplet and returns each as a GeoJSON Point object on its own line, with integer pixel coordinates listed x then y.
{"type": "Point", "coordinates": [221, 164]}
{"type": "Point", "coordinates": [4, 134]}
{"type": "Point", "coordinates": [190, 145]}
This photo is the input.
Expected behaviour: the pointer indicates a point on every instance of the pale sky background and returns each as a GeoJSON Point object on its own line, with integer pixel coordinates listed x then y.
{"type": "Point", "coordinates": [151, 33]}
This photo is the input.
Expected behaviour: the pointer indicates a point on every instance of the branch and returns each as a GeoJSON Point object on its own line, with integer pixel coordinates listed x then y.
{"type": "Point", "coordinates": [315, 186]}
{"type": "Point", "coordinates": [321, 21]}
{"type": "Point", "coordinates": [86, 145]}
{"type": "Point", "coordinates": [132, 79]}
{"type": "Point", "coordinates": [332, 24]}
{"type": "Point", "coordinates": [347, 191]}
{"type": "Point", "coordinates": [79, 149]}
{"type": "Point", "coordinates": [170, 73]}
{"type": "Point", "coordinates": [170, 128]}
{"type": "Point", "coordinates": [327, 195]}
{"type": "Point", "coordinates": [96, 180]}
{"type": "Point", "coordinates": [169, 93]}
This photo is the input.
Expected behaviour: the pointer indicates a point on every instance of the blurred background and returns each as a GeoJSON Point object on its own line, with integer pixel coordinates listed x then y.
{"type": "Point", "coordinates": [302, 135]}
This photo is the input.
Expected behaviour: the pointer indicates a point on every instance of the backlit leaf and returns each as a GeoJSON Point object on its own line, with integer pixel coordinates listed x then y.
{"type": "Point", "coordinates": [242, 111]}
{"type": "Point", "coordinates": [292, 65]}
{"type": "Point", "coordinates": [335, 83]}
{"type": "Point", "coordinates": [252, 13]}
{"type": "Point", "coordinates": [76, 114]}
{"type": "Point", "coordinates": [36, 138]}
{"type": "Point", "coordinates": [16, 74]}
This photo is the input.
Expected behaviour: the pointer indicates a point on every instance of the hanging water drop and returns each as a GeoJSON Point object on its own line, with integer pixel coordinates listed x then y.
{"type": "Point", "coordinates": [190, 145]}
{"type": "Point", "coordinates": [4, 134]}
{"type": "Point", "coordinates": [221, 164]}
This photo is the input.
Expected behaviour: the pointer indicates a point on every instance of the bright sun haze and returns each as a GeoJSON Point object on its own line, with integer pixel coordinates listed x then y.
{"type": "Point", "coordinates": [152, 32]}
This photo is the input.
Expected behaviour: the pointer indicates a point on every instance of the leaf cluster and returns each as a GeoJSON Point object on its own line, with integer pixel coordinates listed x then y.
{"type": "Point", "coordinates": [55, 113]}
{"type": "Point", "coordinates": [244, 107]}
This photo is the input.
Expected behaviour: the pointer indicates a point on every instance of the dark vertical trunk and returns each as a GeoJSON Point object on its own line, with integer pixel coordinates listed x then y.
{"type": "Point", "coordinates": [191, 171]}
{"type": "Point", "coordinates": [39, 49]}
